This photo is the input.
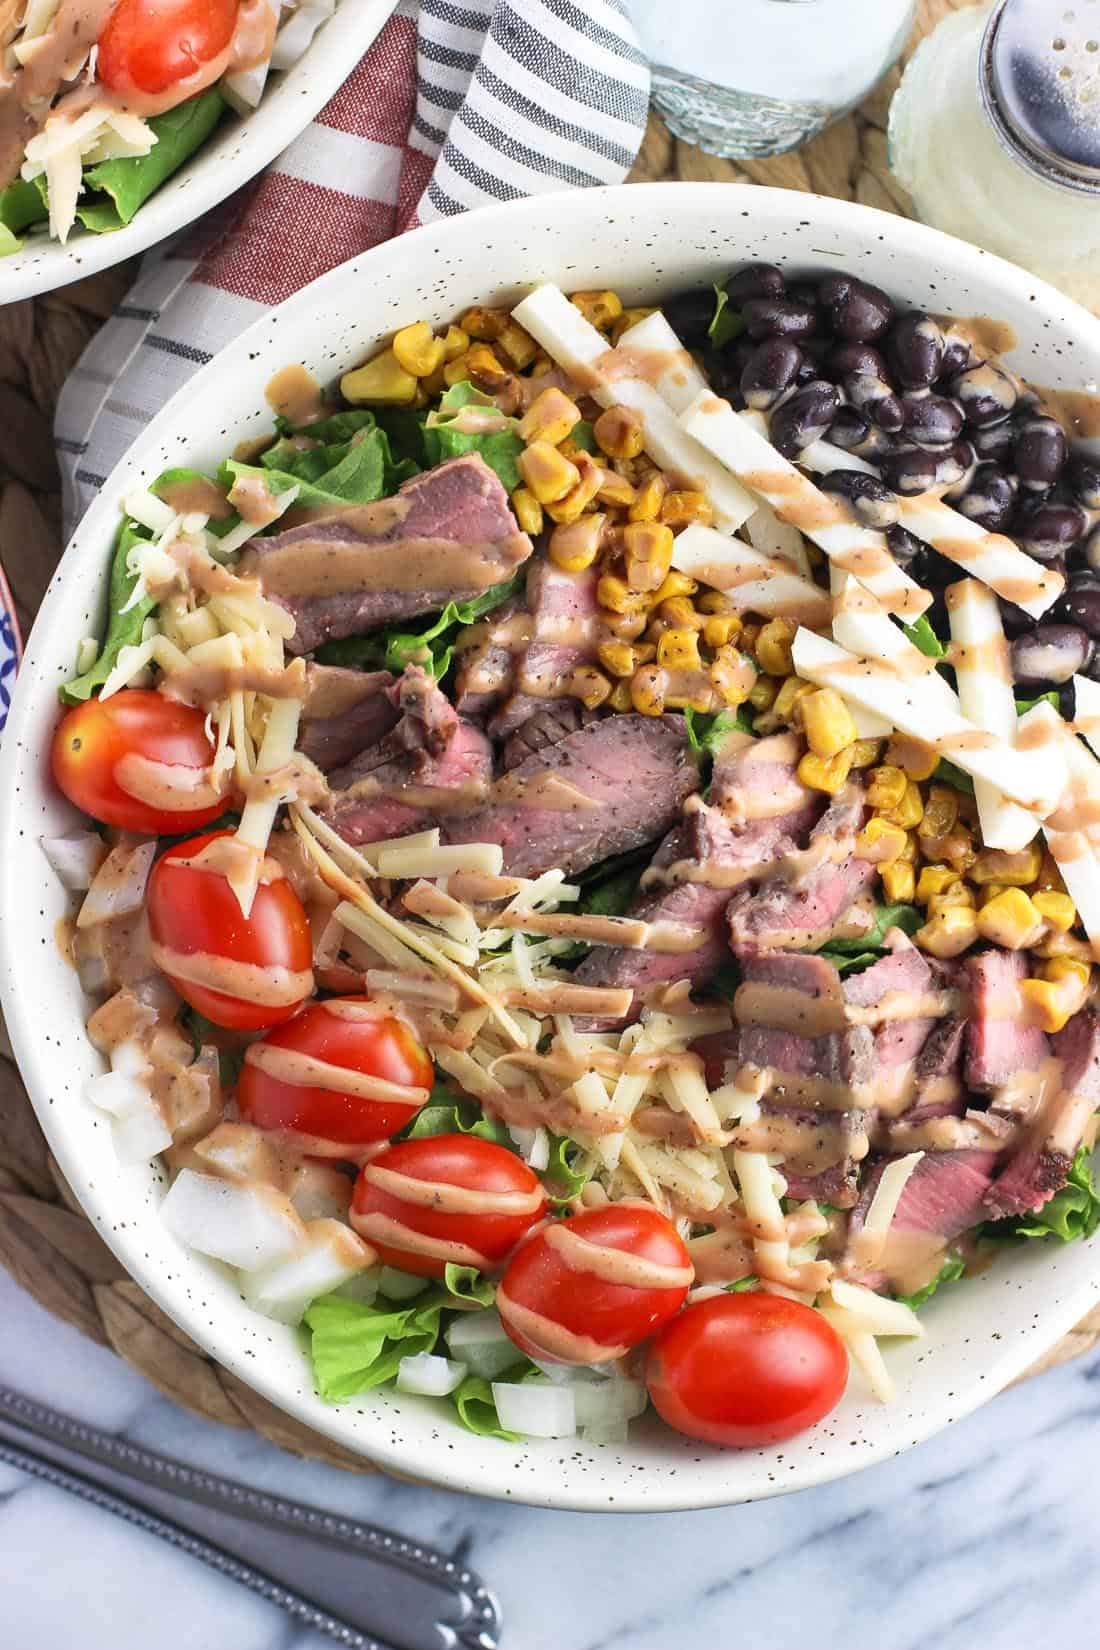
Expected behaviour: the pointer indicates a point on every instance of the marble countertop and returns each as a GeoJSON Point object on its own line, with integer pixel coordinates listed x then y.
{"type": "Point", "coordinates": [986, 1536]}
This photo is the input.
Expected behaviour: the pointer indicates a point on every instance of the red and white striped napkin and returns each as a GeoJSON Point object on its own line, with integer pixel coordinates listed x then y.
{"type": "Point", "coordinates": [458, 104]}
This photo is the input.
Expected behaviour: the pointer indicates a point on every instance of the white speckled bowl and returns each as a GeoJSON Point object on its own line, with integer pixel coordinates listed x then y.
{"type": "Point", "coordinates": [235, 153]}
{"type": "Point", "coordinates": [642, 241]}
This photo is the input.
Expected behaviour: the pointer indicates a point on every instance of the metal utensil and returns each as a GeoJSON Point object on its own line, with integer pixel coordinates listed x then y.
{"type": "Point", "coordinates": [364, 1586]}
{"type": "Point", "coordinates": [1039, 74]}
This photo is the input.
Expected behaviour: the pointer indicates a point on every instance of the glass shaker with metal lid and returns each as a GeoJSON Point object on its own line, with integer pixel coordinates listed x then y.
{"type": "Point", "coordinates": [995, 133]}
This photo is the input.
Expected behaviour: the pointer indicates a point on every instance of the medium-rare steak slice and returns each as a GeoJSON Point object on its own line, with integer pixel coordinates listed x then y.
{"type": "Point", "coordinates": [608, 788]}
{"type": "Point", "coordinates": [942, 1198]}
{"type": "Point", "coordinates": [701, 863]}
{"type": "Point", "coordinates": [545, 727]}
{"type": "Point", "coordinates": [564, 632]}
{"type": "Point", "coordinates": [793, 1019]}
{"type": "Point", "coordinates": [803, 908]}
{"type": "Point", "coordinates": [344, 712]}
{"type": "Point", "coordinates": [430, 764]}
{"type": "Point", "coordinates": [999, 1042]}
{"type": "Point", "coordinates": [447, 535]}
{"type": "Point", "coordinates": [485, 659]}
{"type": "Point", "coordinates": [934, 1119]}
{"type": "Point", "coordinates": [1065, 1093]}
{"type": "Point", "coordinates": [898, 993]}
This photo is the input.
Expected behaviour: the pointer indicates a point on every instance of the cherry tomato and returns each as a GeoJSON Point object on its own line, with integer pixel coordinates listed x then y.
{"type": "Point", "coordinates": [746, 1369]}
{"type": "Point", "coordinates": [150, 45]}
{"type": "Point", "coordinates": [244, 972]}
{"type": "Point", "coordinates": [449, 1197]}
{"type": "Point", "coordinates": [586, 1289]}
{"type": "Point", "coordinates": [125, 760]}
{"type": "Point", "coordinates": [348, 1041]}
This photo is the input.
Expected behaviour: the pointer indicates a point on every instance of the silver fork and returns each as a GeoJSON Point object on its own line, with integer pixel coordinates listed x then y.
{"type": "Point", "coordinates": [364, 1586]}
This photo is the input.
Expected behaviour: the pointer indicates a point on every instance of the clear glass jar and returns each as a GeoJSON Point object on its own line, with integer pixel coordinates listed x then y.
{"type": "Point", "coordinates": [973, 170]}
{"type": "Point", "coordinates": [757, 77]}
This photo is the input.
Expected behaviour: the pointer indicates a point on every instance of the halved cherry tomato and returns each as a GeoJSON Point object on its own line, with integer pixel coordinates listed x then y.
{"type": "Point", "coordinates": [449, 1197]}
{"type": "Point", "coordinates": [586, 1289]}
{"type": "Point", "coordinates": [149, 45]}
{"type": "Point", "coordinates": [117, 758]}
{"type": "Point", "coordinates": [746, 1369]}
{"type": "Point", "coordinates": [262, 964]}
{"type": "Point", "coordinates": [347, 1040]}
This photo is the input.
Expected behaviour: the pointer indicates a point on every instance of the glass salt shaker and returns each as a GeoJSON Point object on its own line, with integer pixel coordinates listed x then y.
{"type": "Point", "coordinates": [757, 77]}
{"type": "Point", "coordinates": [995, 133]}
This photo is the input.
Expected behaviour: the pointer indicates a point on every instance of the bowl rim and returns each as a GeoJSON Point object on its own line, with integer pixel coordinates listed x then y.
{"type": "Point", "coordinates": [44, 265]}
{"type": "Point", "coordinates": [1011, 1357]}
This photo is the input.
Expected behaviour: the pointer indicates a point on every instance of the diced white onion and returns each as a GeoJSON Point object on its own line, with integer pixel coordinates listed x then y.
{"type": "Point", "coordinates": [536, 1409]}
{"type": "Point", "coordinates": [480, 1341]}
{"type": "Point", "coordinates": [400, 1286]}
{"type": "Point", "coordinates": [296, 34]}
{"type": "Point", "coordinates": [607, 1403]}
{"type": "Point", "coordinates": [429, 1376]}
{"type": "Point", "coordinates": [75, 859]}
{"type": "Point", "coordinates": [118, 1093]}
{"type": "Point", "coordinates": [142, 1135]}
{"type": "Point", "coordinates": [118, 887]}
{"type": "Point", "coordinates": [247, 1226]}
{"type": "Point", "coordinates": [130, 1059]}
{"type": "Point", "coordinates": [332, 1255]}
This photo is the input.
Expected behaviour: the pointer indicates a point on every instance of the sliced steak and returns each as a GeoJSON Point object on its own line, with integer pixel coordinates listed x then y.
{"type": "Point", "coordinates": [700, 864]}
{"type": "Point", "coordinates": [822, 1150]}
{"type": "Point", "coordinates": [943, 1197]}
{"type": "Point", "coordinates": [999, 1045]}
{"type": "Point", "coordinates": [807, 904]}
{"type": "Point", "coordinates": [756, 779]}
{"type": "Point", "coordinates": [564, 632]}
{"type": "Point", "coordinates": [344, 712]}
{"type": "Point", "coordinates": [792, 1015]}
{"type": "Point", "coordinates": [1067, 1093]}
{"type": "Point", "coordinates": [485, 659]}
{"type": "Point", "coordinates": [428, 766]}
{"type": "Point", "coordinates": [939, 1099]}
{"type": "Point", "coordinates": [608, 788]}
{"type": "Point", "coordinates": [447, 535]}
{"type": "Point", "coordinates": [894, 990]}
{"type": "Point", "coordinates": [546, 727]}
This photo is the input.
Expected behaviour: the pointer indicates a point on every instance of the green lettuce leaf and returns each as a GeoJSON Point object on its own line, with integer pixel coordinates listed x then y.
{"type": "Point", "coordinates": [1048, 698]}
{"type": "Point", "coordinates": [499, 448]}
{"type": "Point", "coordinates": [923, 636]}
{"type": "Point", "coordinates": [948, 774]}
{"type": "Point", "coordinates": [116, 188]}
{"type": "Point", "coordinates": [449, 1113]}
{"type": "Point", "coordinates": [354, 1346]}
{"type": "Point", "coordinates": [433, 648]}
{"type": "Point", "coordinates": [1072, 1213]}
{"type": "Point", "coordinates": [466, 1283]}
{"type": "Point", "coordinates": [906, 917]}
{"type": "Point", "coordinates": [477, 1410]}
{"type": "Point", "coordinates": [951, 1270]}
{"type": "Point", "coordinates": [21, 206]}
{"type": "Point", "coordinates": [706, 733]}
{"type": "Point", "coordinates": [561, 1171]}
{"type": "Point", "coordinates": [123, 629]}
{"type": "Point", "coordinates": [742, 1285]}
{"type": "Point", "coordinates": [726, 323]}
{"type": "Point", "coordinates": [583, 435]}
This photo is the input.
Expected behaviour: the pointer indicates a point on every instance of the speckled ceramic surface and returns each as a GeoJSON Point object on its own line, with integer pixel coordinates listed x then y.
{"type": "Point", "coordinates": [642, 241]}
{"type": "Point", "coordinates": [236, 152]}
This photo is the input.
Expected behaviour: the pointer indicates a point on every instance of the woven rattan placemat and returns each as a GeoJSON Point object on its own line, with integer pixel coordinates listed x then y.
{"type": "Point", "coordinates": [45, 1241]}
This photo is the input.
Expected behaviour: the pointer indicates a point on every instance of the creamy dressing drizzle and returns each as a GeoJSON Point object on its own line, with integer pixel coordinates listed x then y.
{"type": "Point", "coordinates": [288, 1065]}
{"type": "Point", "coordinates": [553, 1338]}
{"type": "Point", "coordinates": [385, 1231]}
{"type": "Point", "coordinates": [614, 1266]}
{"type": "Point", "coordinates": [447, 1198]}
{"type": "Point", "coordinates": [272, 986]}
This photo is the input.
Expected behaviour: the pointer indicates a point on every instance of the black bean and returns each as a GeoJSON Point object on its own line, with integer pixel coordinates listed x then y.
{"type": "Point", "coordinates": [854, 308]}
{"type": "Point", "coordinates": [987, 394]}
{"type": "Point", "coordinates": [915, 350]}
{"type": "Point", "coordinates": [908, 471]}
{"type": "Point", "coordinates": [1080, 604]}
{"type": "Point", "coordinates": [990, 499]}
{"type": "Point", "coordinates": [931, 420]}
{"type": "Point", "coordinates": [1046, 530]}
{"type": "Point", "coordinates": [849, 428]}
{"type": "Point", "coordinates": [690, 313]}
{"type": "Point", "coordinates": [870, 498]}
{"type": "Point", "coordinates": [1039, 450]}
{"type": "Point", "coordinates": [1090, 550]}
{"type": "Point", "coordinates": [954, 467]}
{"type": "Point", "coordinates": [994, 442]}
{"type": "Point", "coordinates": [756, 281]}
{"type": "Point", "coordinates": [804, 417]}
{"type": "Point", "coordinates": [905, 547]}
{"type": "Point", "coordinates": [1017, 621]}
{"type": "Point", "coordinates": [1084, 478]}
{"type": "Point", "coordinates": [845, 360]}
{"type": "Point", "coordinates": [934, 572]}
{"type": "Point", "coordinates": [874, 397]}
{"type": "Point", "coordinates": [957, 355]}
{"type": "Point", "coordinates": [770, 369]}
{"type": "Point", "coordinates": [778, 318]}
{"type": "Point", "coordinates": [1052, 653]}
{"type": "Point", "coordinates": [806, 291]}
{"type": "Point", "coordinates": [724, 368]}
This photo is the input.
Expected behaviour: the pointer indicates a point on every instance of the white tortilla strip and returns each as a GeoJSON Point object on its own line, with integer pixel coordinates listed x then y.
{"type": "Point", "coordinates": [1035, 778]}
{"type": "Point", "coordinates": [754, 582]}
{"type": "Point", "coordinates": [862, 626]}
{"type": "Point", "coordinates": [679, 382]}
{"type": "Point", "coordinates": [1086, 719]}
{"type": "Point", "coordinates": [868, 724]}
{"type": "Point", "coordinates": [575, 345]}
{"type": "Point", "coordinates": [982, 670]}
{"type": "Point", "coordinates": [737, 442]}
{"type": "Point", "coordinates": [1072, 829]}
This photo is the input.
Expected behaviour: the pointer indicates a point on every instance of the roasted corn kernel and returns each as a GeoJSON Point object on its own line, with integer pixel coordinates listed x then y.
{"type": "Point", "coordinates": [616, 594]}
{"type": "Point", "coordinates": [382, 380]}
{"type": "Point", "coordinates": [715, 601]}
{"type": "Point", "coordinates": [941, 811]}
{"type": "Point", "coordinates": [866, 752]}
{"type": "Point", "coordinates": [647, 690]}
{"type": "Point", "coordinates": [684, 508]}
{"type": "Point", "coordinates": [486, 370]}
{"type": "Point", "coordinates": [598, 308]}
{"type": "Point", "coordinates": [575, 545]}
{"type": "Point", "coordinates": [887, 787]}
{"type": "Point", "coordinates": [913, 756]}
{"type": "Point", "coordinates": [455, 343]}
{"type": "Point", "coordinates": [675, 584]}
{"type": "Point", "coordinates": [898, 882]}
{"type": "Point", "coordinates": [650, 496]}
{"type": "Point", "coordinates": [456, 371]}
{"type": "Point", "coordinates": [620, 699]}
{"type": "Point", "coordinates": [1010, 920]}
{"type": "Point", "coordinates": [881, 842]}
{"type": "Point", "coordinates": [949, 933]}
{"type": "Point", "coordinates": [616, 490]}
{"type": "Point", "coordinates": [619, 432]}
{"type": "Point", "coordinates": [578, 498]}
{"type": "Point", "coordinates": [549, 476]}
{"type": "Point", "coordinates": [550, 417]}
{"type": "Point", "coordinates": [517, 346]}
{"type": "Point", "coordinates": [827, 722]}
{"type": "Point", "coordinates": [1057, 910]}
{"type": "Point", "coordinates": [628, 626]}
{"type": "Point", "coordinates": [618, 658]}
{"type": "Point", "coordinates": [1051, 1001]}
{"type": "Point", "coordinates": [484, 323]}
{"type": "Point", "coordinates": [678, 610]}
{"type": "Point", "coordinates": [678, 649]}
{"type": "Point", "coordinates": [417, 350]}
{"type": "Point", "coordinates": [910, 809]}
{"type": "Point", "coordinates": [792, 692]}
{"type": "Point", "coordinates": [1065, 968]}
{"type": "Point", "coordinates": [721, 628]}
{"type": "Point", "coordinates": [528, 510]}
{"type": "Point", "coordinates": [825, 773]}
{"type": "Point", "coordinates": [911, 852]}
{"type": "Point", "coordinates": [732, 675]}
{"type": "Point", "coordinates": [773, 648]}
{"type": "Point", "coordinates": [629, 318]}
{"type": "Point", "coordinates": [1012, 870]}
{"type": "Point", "coordinates": [590, 686]}
{"type": "Point", "coordinates": [763, 693]}
{"type": "Point", "coordinates": [648, 549]}
{"type": "Point", "coordinates": [957, 893]}
{"type": "Point", "coordinates": [934, 879]}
